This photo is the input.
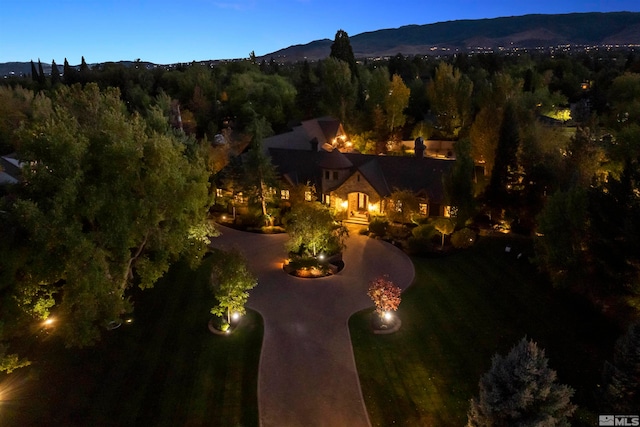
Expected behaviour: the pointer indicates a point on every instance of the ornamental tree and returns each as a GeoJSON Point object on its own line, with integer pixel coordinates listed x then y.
{"type": "Point", "coordinates": [385, 295]}
{"type": "Point", "coordinates": [232, 281]}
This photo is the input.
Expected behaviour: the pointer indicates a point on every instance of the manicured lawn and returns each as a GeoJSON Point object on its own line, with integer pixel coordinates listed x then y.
{"type": "Point", "coordinates": [461, 310]}
{"type": "Point", "coordinates": [164, 369]}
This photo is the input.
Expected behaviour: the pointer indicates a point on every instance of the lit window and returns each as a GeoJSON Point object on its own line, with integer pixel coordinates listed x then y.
{"type": "Point", "coordinates": [307, 196]}
{"type": "Point", "coordinates": [424, 209]}
{"type": "Point", "coordinates": [284, 194]}
{"type": "Point", "coordinates": [239, 198]}
{"type": "Point", "coordinates": [398, 205]}
{"type": "Point", "coordinates": [218, 192]}
{"type": "Point", "coordinates": [327, 199]}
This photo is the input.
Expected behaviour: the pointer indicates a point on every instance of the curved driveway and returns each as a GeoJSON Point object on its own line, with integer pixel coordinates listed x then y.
{"type": "Point", "coordinates": [307, 375]}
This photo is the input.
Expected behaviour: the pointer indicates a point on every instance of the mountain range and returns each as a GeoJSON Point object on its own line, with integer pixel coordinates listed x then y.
{"type": "Point", "coordinates": [480, 35]}
{"type": "Point", "coordinates": [522, 32]}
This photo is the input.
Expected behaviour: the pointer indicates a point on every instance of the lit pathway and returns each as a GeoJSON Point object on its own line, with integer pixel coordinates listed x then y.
{"type": "Point", "coordinates": [307, 371]}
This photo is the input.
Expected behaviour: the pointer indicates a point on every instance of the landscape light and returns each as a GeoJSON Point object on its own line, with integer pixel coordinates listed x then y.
{"type": "Point", "coordinates": [49, 321]}
{"type": "Point", "coordinates": [387, 315]}
{"type": "Point", "coordinates": [235, 315]}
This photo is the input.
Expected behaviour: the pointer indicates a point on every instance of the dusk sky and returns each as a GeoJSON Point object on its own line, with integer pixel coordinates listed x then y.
{"type": "Point", "coordinates": [163, 31]}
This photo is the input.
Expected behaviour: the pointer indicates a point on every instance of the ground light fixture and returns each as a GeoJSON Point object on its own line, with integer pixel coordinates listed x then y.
{"type": "Point", "coordinates": [235, 315]}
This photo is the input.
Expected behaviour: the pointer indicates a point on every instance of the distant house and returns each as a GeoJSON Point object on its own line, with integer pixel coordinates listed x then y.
{"type": "Point", "coordinates": [361, 184]}
{"type": "Point", "coordinates": [311, 134]}
{"type": "Point", "coordinates": [10, 169]}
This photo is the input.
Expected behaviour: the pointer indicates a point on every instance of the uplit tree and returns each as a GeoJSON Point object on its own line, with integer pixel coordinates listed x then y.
{"type": "Point", "coordinates": [521, 390]}
{"type": "Point", "coordinates": [444, 226]}
{"type": "Point", "coordinates": [385, 295]}
{"type": "Point", "coordinates": [110, 204]}
{"type": "Point", "coordinates": [396, 102]}
{"type": "Point", "coordinates": [231, 281]}
{"type": "Point", "coordinates": [312, 230]}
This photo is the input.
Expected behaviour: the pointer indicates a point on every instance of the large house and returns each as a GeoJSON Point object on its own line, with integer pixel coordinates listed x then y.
{"type": "Point", "coordinates": [352, 184]}
{"type": "Point", "coordinates": [360, 184]}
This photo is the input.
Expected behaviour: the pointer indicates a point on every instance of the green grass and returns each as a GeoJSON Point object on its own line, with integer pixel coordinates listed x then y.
{"type": "Point", "coordinates": [165, 369]}
{"type": "Point", "coordinates": [460, 311]}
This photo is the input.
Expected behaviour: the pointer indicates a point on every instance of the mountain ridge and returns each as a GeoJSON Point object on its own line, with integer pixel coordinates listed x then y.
{"type": "Point", "coordinates": [525, 31]}
{"type": "Point", "coordinates": [531, 31]}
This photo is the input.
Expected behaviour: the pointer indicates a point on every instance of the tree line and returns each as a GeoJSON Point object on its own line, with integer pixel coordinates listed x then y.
{"type": "Point", "coordinates": [112, 141]}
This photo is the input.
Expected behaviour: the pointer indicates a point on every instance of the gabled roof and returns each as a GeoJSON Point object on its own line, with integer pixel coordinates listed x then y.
{"type": "Point", "coordinates": [334, 159]}
{"type": "Point", "coordinates": [374, 174]}
{"type": "Point", "coordinates": [297, 166]}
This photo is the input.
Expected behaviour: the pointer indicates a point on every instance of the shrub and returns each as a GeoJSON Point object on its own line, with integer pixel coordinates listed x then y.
{"type": "Point", "coordinates": [379, 226]}
{"type": "Point", "coordinates": [424, 232]}
{"type": "Point", "coordinates": [464, 238]}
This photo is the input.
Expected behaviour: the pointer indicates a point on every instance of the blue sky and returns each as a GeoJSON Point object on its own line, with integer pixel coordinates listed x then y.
{"type": "Point", "coordinates": [163, 31]}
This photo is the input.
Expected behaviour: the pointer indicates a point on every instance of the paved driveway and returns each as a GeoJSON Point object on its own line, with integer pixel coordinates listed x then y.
{"type": "Point", "coordinates": [307, 374]}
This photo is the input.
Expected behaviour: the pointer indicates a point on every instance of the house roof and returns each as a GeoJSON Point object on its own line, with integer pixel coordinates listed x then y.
{"type": "Point", "coordinates": [10, 169]}
{"type": "Point", "coordinates": [334, 159]}
{"type": "Point", "coordinates": [385, 173]}
{"type": "Point", "coordinates": [322, 129]}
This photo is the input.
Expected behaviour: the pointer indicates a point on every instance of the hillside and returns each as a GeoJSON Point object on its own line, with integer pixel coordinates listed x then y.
{"type": "Point", "coordinates": [528, 31]}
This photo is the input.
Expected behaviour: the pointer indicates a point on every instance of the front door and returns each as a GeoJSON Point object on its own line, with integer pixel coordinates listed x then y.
{"type": "Point", "coordinates": [363, 202]}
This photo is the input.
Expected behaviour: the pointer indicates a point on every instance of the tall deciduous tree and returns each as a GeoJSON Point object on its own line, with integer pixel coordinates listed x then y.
{"type": "Point", "coordinates": [396, 102]}
{"type": "Point", "coordinates": [450, 97]}
{"type": "Point", "coordinates": [338, 88]}
{"type": "Point", "coordinates": [521, 389]}
{"type": "Point", "coordinates": [260, 175]}
{"type": "Point", "coordinates": [109, 204]}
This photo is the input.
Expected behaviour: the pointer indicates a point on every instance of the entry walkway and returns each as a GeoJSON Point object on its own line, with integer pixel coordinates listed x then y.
{"type": "Point", "coordinates": [307, 375]}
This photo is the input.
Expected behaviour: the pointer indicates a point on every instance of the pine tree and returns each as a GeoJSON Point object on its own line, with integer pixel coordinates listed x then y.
{"type": "Point", "coordinates": [520, 389]}
{"type": "Point", "coordinates": [341, 49]}
{"type": "Point", "coordinates": [34, 72]}
{"type": "Point", "coordinates": [622, 377]}
{"type": "Point", "coordinates": [55, 73]}
{"type": "Point", "coordinates": [42, 79]}
{"type": "Point", "coordinates": [70, 74]}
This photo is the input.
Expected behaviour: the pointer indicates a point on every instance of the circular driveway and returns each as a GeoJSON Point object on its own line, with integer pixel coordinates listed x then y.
{"type": "Point", "coordinates": [307, 375]}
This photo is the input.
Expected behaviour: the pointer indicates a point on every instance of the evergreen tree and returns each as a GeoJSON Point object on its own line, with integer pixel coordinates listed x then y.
{"type": "Point", "coordinates": [55, 73]}
{"type": "Point", "coordinates": [42, 79]}
{"type": "Point", "coordinates": [34, 72]}
{"type": "Point", "coordinates": [506, 161]}
{"type": "Point", "coordinates": [622, 377]}
{"type": "Point", "coordinates": [307, 92]}
{"type": "Point", "coordinates": [521, 390]}
{"type": "Point", "coordinates": [70, 74]}
{"type": "Point", "coordinates": [341, 49]}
